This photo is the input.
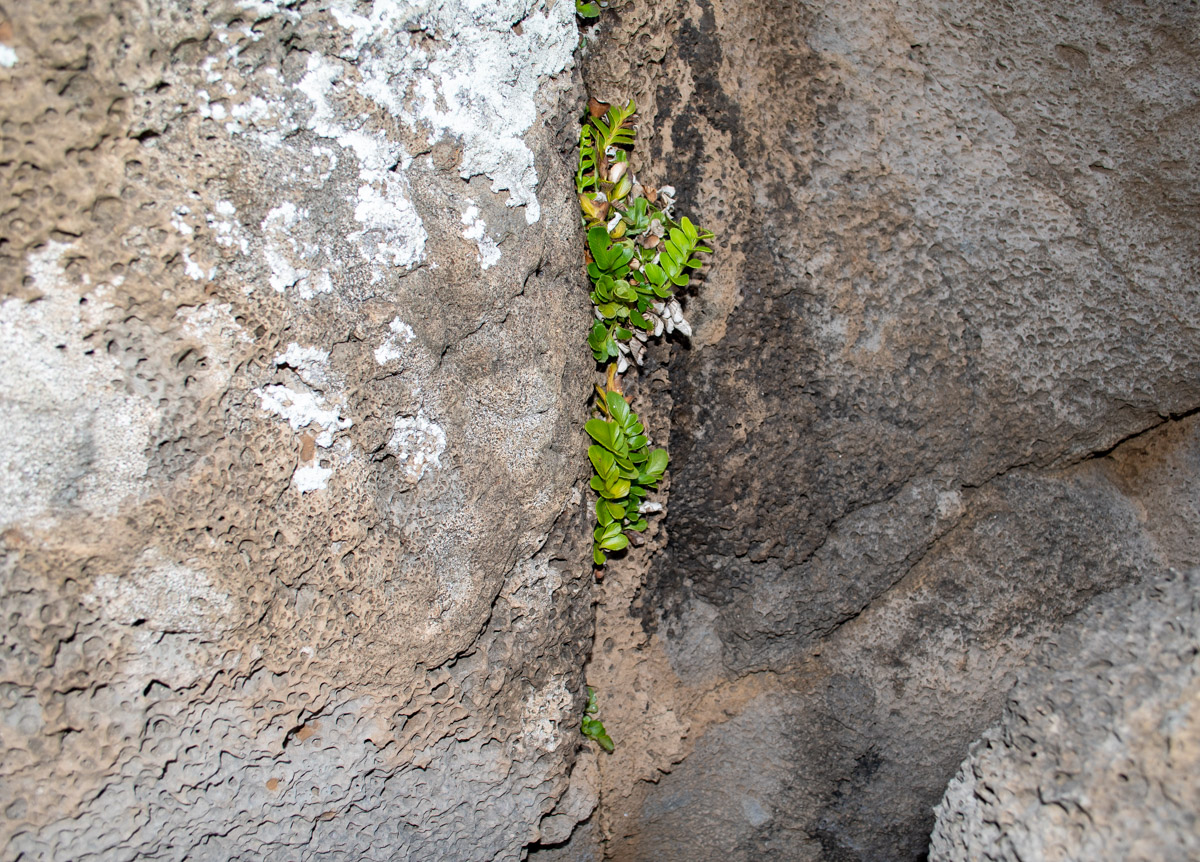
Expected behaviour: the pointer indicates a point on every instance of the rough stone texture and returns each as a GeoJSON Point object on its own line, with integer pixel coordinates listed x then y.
{"type": "Point", "coordinates": [291, 563]}
{"type": "Point", "coordinates": [842, 755]}
{"type": "Point", "coordinates": [958, 265]}
{"type": "Point", "coordinates": [1098, 752]}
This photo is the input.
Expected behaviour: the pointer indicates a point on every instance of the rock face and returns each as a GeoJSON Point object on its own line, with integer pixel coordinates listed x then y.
{"type": "Point", "coordinates": [1097, 754]}
{"type": "Point", "coordinates": [293, 372]}
{"type": "Point", "coordinates": [958, 268]}
{"type": "Point", "coordinates": [291, 560]}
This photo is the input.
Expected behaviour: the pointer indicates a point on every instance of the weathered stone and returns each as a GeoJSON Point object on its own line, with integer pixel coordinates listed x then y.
{"type": "Point", "coordinates": [844, 754]}
{"type": "Point", "coordinates": [1097, 753]}
{"type": "Point", "coordinates": [957, 266]}
{"type": "Point", "coordinates": [292, 369]}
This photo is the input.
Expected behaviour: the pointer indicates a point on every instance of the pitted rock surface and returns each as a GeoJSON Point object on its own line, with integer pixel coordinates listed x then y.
{"type": "Point", "coordinates": [291, 566]}
{"type": "Point", "coordinates": [931, 396]}
{"type": "Point", "coordinates": [1096, 755]}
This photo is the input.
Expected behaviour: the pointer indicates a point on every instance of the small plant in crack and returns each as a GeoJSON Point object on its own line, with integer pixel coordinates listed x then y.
{"type": "Point", "coordinates": [593, 728]}
{"type": "Point", "coordinates": [626, 469]}
{"type": "Point", "coordinates": [587, 10]}
{"type": "Point", "coordinates": [637, 257]}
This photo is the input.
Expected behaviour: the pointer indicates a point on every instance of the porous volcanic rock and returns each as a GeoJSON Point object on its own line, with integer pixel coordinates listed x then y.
{"type": "Point", "coordinates": [293, 376]}
{"type": "Point", "coordinates": [951, 331]}
{"type": "Point", "coordinates": [1098, 751]}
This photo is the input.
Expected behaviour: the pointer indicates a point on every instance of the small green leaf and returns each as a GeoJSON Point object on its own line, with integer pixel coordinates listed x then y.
{"type": "Point", "coordinates": [603, 460]}
{"type": "Point", "coordinates": [598, 557]}
{"type": "Point", "coordinates": [604, 514]}
{"type": "Point", "coordinates": [621, 188]}
{"type": "Point", "coordinates": [658, 461]}
{"type": "Point", "coordinates": [616, 490]}
{"type": "Point", "coordinates": [602, 431]}
{"type": "Point", "coordinates": [623, 254]}
{"type": "Point", "coordinates": [615, 543]}
{"type": "Point", "coordinates": [586, 10]}
{"type": "Point", "coordinates": [617, 406]}
{"type": "Point", "coordinates": [598, 242]}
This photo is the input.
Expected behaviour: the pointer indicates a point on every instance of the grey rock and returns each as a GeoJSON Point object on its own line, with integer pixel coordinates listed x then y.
{"type": "Point", "coordinates": [846, 753]}
{"type": "Point", "coordinates": [1097, 752]}
{"type": "Point", "coordinates": [956, 290]}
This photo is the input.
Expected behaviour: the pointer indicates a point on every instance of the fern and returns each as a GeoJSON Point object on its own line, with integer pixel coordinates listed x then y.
{"type": "Point", "coordinates": [614, 129]}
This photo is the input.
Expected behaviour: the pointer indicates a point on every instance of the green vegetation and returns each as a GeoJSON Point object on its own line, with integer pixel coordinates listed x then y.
{"type": "Point", "coordinates": [593, 728]}
{"type": "Point", "coordinates": [625, 470]}
{"type": "Point", "coordinates": [637, 257]}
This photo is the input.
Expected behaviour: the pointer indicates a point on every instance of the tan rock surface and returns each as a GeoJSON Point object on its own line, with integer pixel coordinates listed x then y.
{"type": "Point", "coordinates": [292, 384]}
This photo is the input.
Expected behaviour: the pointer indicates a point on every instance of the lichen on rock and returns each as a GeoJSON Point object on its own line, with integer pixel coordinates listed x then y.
{"type": "Point", "coordinates": [285, 445]}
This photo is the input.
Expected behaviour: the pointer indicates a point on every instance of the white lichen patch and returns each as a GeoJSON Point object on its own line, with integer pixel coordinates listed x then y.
{"type": "Point", "coordinates": [489, 252]}
{"type": "Point", "coordinates": [8, 57]}
{"type": "Point", "coordinates": [546, 712]}
{"type": "Point", "coordinates": [417, 444]}
{"type": "Point", "coordinates": [194, 270]}
{"type": "Point", "coordinates": [392, 347]}
{"type": "Point", "coordinates": [309, 363]}
{"type": "Point", "coordinates": [179, 220]}
{"type": "Point", "coordinates": [227, 231]}
{"type": "Point", "coordinates": [304, 410]}
{"type": "Point", "coordinates": [162, 595]}
{"type": "Point", "coordinates": [393, 234]}
{"type": "Point", "coordinates": [311, 477]}
{"type": "Point", "coordinates": [477, 85]}
{"type": "Point", "coordinates": [76, 437]}
{"type": "Point", "coordinates": [281, 247]}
